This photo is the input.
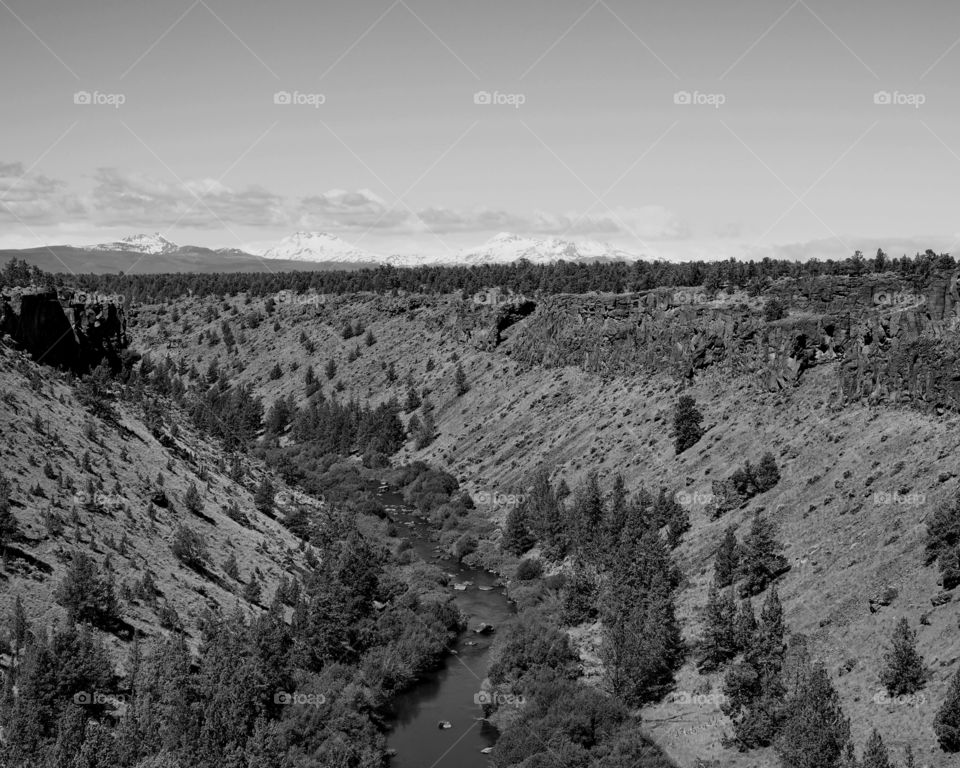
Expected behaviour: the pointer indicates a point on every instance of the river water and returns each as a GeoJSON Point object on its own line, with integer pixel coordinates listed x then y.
{"type": "Point", "coordinates": [448, 693]}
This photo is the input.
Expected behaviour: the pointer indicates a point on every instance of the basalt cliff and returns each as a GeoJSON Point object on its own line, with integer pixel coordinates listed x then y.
{"type": "Point", "coordinates": [65, 329]}
{"type": "Point", "coordinates": [890, 340]}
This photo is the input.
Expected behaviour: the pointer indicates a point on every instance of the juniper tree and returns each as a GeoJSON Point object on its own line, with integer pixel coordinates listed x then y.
{"type": "Point", "coordinates": [754, 688]}
{"type": "Point", "coordinates": [413, 400]}
{"type": "Point", "coordinates": [766, 474]}
{"type": "Point", "coordinates": [263, 498]}
{"type": "Point", "coordinates": [815, 732]}
{"type": "Point", "coordinates": [517, 539]}
{"type": "Point", "coordinates": [760, 558]}
{"type": "Point", "coordinates": [903, 671]}
{"type": "Point", "coordinates": [192, 500]}
{"type": "Point", "coordinates": [745, 624]}
{"type": "Point", "coordinates": [86, 595]}
{"type": "Point", "coordinates": [686, 424]}
{"type": "Point", "coordinates": [460, 381]}
{"type": "Point", "coordinates": [727, 561]}
{"type": "Point", "coordinates": [719, 643]}
{"type": "Point", "coordinates": [875, 753]}
{"type": "Point", "coordinates": [330, 370]}
{"type": "Point", "coordinates": [8, 523]}
{"type": "Point", "coordinates": [946, 723]}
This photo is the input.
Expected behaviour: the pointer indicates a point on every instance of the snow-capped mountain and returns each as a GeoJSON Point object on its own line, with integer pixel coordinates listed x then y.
{"type": "Point", "coordinates": [507, 247]}
{"type": "Point", "coordinates": [155, 244]}
{"type": "Point", "coordinates": [319, 246]}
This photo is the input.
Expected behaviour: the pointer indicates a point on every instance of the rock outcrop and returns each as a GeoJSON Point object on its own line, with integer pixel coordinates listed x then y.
{"type": "Point", "coordinates": [68, 330]}
{"type": "Point", "coordinates": [891, 341]}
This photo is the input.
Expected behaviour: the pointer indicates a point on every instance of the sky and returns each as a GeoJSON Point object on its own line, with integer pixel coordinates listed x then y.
{"type": "Point", "coordinates": [797, 128]}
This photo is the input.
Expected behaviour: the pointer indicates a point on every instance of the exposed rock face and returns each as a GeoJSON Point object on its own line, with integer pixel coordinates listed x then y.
{"type": "Point", "coordinates": [71, 330]}
{"type": "Point", "coordinates": [891, 341]}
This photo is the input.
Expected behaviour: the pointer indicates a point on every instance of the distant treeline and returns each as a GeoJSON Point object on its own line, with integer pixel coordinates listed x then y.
{"type": "Point", "coordinates": [521, 277]}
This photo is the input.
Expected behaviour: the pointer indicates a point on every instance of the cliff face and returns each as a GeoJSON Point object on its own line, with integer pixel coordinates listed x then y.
{"type": "Point", "coordinates": [73, 331]}
{"type": "Point", "coordinates": [890, 341]}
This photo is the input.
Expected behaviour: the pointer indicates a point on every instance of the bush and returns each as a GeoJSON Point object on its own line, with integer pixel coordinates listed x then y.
{"type": "Point", "coordinates": [686, 424]}
{"type": "Point", "coordinates": [189, 547]}
{"type": "Point", "coordinates": [529, 569]}
{"type": "Point", "coordinates": [86, 596]}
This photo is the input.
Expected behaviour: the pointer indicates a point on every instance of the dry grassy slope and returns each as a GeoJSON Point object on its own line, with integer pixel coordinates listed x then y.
{"type": "Point", "coordinates": [265, 548]}
{"type": "Point", "coordinates": [844, 548]}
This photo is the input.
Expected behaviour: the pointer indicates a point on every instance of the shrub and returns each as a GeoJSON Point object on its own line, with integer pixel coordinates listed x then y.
{"type": "Point", "coordinates": [189, 547]}
{"type": "Point", "coordinates": [529, 568]}
{"type": "Point", "coordinates": [686, 424]}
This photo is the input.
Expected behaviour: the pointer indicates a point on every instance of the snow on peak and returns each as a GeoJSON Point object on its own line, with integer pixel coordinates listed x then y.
{"type": "Point", "coordinates": [318, 246]}
{"type": "Point", "coordinates": [152, 244]}
{"type": "Point", "coordinates": [507, 247]}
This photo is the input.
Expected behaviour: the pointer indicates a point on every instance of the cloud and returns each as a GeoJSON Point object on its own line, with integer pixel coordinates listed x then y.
{"type": "Point", "coordinates": [141, 201]}
{"type": "Point", "coordinates": [138, 200]}
{"type": "Point", "coordinates": [34, 198]}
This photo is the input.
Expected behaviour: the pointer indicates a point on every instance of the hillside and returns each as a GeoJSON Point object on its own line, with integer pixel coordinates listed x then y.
{"type": "Point", "coordinates": [862, 421]}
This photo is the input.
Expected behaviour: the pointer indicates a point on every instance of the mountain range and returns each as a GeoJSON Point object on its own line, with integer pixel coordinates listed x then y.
{"type": "Point", "coordinates": [153, 253]}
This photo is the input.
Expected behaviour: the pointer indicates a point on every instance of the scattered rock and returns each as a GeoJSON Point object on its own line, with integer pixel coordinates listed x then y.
{"type": "Point", "coordinates": [941, 599]}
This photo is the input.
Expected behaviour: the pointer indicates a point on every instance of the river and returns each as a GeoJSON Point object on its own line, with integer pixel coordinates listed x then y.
{"type": "Point", "coordinates": [448, 693]}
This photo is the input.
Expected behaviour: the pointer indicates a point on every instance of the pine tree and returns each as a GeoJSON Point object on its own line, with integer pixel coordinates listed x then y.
{"type": "Point", "coordinates": [745, 625]}
{"type": "Point", "coordinates": [330, 370]}
{"type": "Point", "coordinates": [767, 474]}
{"type": "Point", "coordinates": [413, 400]}
{"type": "Point", "coordinates": [727, 562]}
{"type": "Point", "coordinates": [192, 500]}
{"type": "Point", "coordinates": [760, 558]}
{"type": "Point", "coordinates": [19, 627]}
{"type": "Point", "coordinates": [815, 732]}
{"type": "Point", "coordinates": [252, 591]}
{"type": "Point", "coordinates": [427, 431]}
{"type": "Point", "coordinates": [903, 671]}
{"type": "Point", "coordinates": [8, 523]}
{"type": "Point", "coordinates": [719, 642]}
{"type": "Point", "coordinates": [686, 424]}
{"type": "Point", "coordinates": [231, 567]}
{"type": "Point", "coordinates": [754, 688]}
{"type": "Point", "coordinates": [587, 515]}
{"type": "Point", "coordinates": [875, 753]}
{"type": "Point", "coordinates": [391, 373]}
{"type": "Point", "coordinates": [517, 538]}
{"type": "Point", "coordinates": [615, 515]}
{"type": "Point", "coordinates": [263, 498]}
{"type": "Point", "coordinates": [946, 724]}
{"type": "Point", "coordinates": [369, 339]}
{"type": "Point", "coordinates": [460, 381]}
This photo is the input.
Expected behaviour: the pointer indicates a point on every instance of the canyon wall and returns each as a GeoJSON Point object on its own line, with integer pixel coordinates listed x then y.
{"type": "Point", "coordinates": [890, 340]}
